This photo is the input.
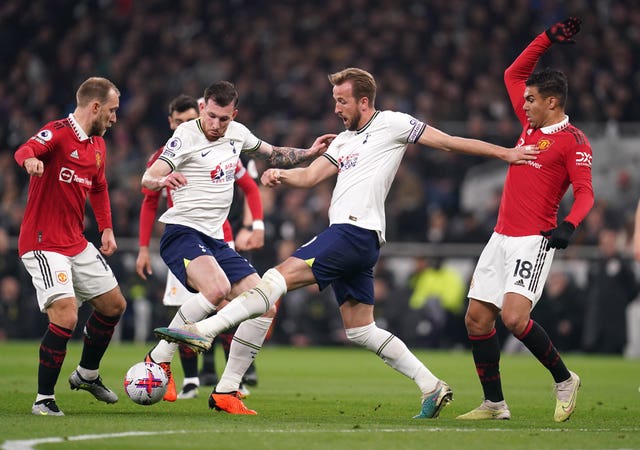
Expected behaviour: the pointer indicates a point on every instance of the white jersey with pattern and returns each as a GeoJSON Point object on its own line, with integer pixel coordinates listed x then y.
{"type": "Point", "coordinates": [367, 161]}
{"type": "Point", "coordinates": [209, 167]}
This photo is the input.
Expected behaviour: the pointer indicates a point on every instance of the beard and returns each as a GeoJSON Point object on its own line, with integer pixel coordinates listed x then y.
{"type": "Point", "coordinates": [355, 120]}
{"type": "Point", "coordinates": [97, 129]}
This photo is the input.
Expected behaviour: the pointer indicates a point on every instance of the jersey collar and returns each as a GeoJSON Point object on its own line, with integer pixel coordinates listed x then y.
{"type": "Point", "coordinates": [366, 125]}
{"type": "Point", "coordinates": [556, 126]}
{"type": "Point", "coordinates": [77, 129]}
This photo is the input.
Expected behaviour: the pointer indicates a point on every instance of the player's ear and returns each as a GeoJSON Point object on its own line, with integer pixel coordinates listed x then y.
{"type": "Point", "coordinates": [95, 106]}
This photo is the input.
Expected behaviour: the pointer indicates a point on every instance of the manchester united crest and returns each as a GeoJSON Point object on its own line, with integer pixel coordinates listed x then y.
{"type": "Point", "coordinates": [98, 160]}
{"type": "Point", "coordinates": [544, 144]}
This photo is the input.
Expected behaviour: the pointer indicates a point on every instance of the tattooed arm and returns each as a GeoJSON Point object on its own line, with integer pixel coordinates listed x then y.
{"type": "Point", "coordinates": [285, 157]}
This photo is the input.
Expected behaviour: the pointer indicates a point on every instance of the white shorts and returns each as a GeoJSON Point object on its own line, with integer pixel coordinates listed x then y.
{"type": "Point", "coordinates": [175, 294]}
{"type": "Point", "coordinates": [83, 276]}
{"type": "Point", "coordinates": [511, 264]}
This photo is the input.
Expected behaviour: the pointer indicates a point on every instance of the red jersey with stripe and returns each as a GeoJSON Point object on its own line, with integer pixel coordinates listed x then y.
{"type": "Point", "coordinates": [151, 200]}
{"type": "Point", "coordinates": [73, 169]}
{"type": "Point", "coordinates": [533, 191]}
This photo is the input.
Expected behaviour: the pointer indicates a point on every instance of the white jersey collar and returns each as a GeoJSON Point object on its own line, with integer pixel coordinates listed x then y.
{"type": "Point", "coordinates": [77, 129]}
{"type": "Point", "coordinates": [556, 126]}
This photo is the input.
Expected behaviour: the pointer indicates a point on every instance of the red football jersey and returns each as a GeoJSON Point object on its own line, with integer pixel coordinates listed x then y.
{"type": "Point", "coordinates": [73, 169]}
{"type": "Point", "coordinates": [533, 191]}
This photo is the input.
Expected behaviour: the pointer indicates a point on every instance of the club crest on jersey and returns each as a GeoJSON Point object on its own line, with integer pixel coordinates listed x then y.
{"type": "Point", "coordinates": [62, 277]}
{"type": "Point", "coordinates": [98, 160]}
{"type": "Point", "coordinates": [347, 162]}
{"type": "Point", "coordinates": [544, 144]}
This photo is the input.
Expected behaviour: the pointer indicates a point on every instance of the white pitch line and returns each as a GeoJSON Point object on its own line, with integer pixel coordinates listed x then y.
{"type": "Point", "coordinates": [29, 444]}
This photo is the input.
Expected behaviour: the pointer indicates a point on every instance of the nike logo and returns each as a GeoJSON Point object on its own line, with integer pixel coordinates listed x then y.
{"type": "Point", "coordinates": [203, 154]}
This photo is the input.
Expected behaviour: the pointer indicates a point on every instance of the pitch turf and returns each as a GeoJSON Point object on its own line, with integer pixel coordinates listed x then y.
{"type": "Point", "coordinates": [325, 398]}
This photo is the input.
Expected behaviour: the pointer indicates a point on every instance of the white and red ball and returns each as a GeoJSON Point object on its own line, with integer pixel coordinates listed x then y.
{"type": "Point", "coordinates": [145, 383]}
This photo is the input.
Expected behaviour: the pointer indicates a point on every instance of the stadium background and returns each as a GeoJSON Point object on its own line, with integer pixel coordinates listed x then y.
{"type": "Point", "coordinates": [439, 60]}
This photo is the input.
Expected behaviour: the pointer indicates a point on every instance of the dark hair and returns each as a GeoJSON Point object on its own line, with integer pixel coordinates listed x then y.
{"type": "Point", "coordinates": [95, 88]}
{"type": "Point", "coordinates": [183, 103]}
{"type": "Point", "coordinates": [222, 92]}
{"type": "Point", "coordinates": [362, 83]}
{"type": "Point", "coordinates": [550, 83]}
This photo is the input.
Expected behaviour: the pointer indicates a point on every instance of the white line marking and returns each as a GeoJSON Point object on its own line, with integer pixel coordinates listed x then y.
{"type": "Point", "coordinates": [29, 444]}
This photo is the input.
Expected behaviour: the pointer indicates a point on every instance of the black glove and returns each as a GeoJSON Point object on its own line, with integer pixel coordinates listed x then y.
{"type": "Point", "coordinates": [559, 236]}
{"type": "Point", "coordinates": [562, 32]}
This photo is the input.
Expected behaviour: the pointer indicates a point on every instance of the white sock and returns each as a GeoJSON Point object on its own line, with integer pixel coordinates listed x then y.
{"type": "Point", "coordinates": [252, 303]}
{"type": "Point", "coordinates": [394, 353]}
{"type": "Point", "coordinates": [44, 397]}
{"type": "Point", "coordinates": [194, 309]}
{"type": "Point", "coordinates": [247, 342]}
{"type": "Point", "coordinates": [191, 380]}
{"type": "Point", "coordinates": [86, 374]}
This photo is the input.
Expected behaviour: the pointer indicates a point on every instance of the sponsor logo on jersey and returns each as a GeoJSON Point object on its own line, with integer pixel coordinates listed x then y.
{"type": "Point", "coordinates": [347, 162]}
{"type": "Point", "coordinates": [62, 277]}
{"type": "Point", "coordinates": [223, 173]}
{"type": "Point", "coordinates": [544, 144]}
{"type": "Point", "coordinates": [520, 283]}
{"type": "Point", "coordinates": [74, 154]}
{"type": "Point", "coordinates": [583, 159]}
{"type": "Point", "coordinates": [67, 175]}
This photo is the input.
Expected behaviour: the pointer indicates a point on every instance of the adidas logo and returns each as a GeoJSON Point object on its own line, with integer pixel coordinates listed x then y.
{"type": "Point", "coordinates": [520, 283]}
{"type": "Point", "coordinates": [74, 154]}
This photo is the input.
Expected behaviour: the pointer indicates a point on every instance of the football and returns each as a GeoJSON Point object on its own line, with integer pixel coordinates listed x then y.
{"type": "Point", "coordinates": [145, 383]}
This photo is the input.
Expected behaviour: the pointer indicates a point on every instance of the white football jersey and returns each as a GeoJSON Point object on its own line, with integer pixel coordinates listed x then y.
{"type": "Point", "coordinates": [367, 161]}
{"type": "Point", "coordinates": [209, 167]}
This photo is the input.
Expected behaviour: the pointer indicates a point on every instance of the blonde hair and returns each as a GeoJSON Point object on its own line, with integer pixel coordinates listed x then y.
{"type": "Point", "coordinates": [95, 88]}
{"type": "Point", "coordinates": [362, 82]}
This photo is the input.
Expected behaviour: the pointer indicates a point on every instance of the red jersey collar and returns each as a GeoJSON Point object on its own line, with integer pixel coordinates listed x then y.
{"type": "Point", "coordinates": [77, 129]}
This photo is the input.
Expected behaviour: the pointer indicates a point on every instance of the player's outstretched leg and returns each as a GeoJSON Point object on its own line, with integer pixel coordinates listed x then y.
{"type": "Point", "coordinates": [187, 335]}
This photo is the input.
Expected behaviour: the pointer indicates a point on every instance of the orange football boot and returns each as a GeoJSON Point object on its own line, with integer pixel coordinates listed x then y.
{"type": "Point", "coordinates": [229, 402]}
{"type": "Point", "coordinates": [172, 394]}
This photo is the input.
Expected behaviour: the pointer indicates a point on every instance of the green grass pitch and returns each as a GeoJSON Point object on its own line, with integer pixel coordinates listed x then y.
{"type": "Point", "coordinates": [325, 398]}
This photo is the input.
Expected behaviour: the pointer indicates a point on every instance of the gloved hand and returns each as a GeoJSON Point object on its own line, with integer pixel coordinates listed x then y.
{"type": "Point", "coordinates": [562, 32]}
{"type": "Point", "coordinates": [559, 236]}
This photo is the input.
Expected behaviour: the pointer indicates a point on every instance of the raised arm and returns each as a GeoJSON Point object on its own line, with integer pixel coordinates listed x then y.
{"type": "Point", "coordinates": [432, 137]}
{"type": "Point", "coordinates": [288, 156]}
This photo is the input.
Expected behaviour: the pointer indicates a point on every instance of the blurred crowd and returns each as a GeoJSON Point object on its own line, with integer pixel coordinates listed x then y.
{"type": "Point", "coordinates": [441, 61]}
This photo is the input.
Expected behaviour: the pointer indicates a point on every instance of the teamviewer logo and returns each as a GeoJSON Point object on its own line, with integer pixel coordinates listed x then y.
{"type": "Point", "coordinates": [66, 175]}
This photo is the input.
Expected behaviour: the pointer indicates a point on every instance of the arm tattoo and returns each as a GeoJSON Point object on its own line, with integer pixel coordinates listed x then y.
{"type": "Point", "coordinates": [285, 157]}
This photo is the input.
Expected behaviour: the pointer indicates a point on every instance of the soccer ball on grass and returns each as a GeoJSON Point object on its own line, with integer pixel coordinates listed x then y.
{"type": "Point", "coordinates": [145, 383]}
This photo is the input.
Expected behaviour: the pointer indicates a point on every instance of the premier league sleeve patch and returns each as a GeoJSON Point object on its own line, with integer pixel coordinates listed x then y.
{"type": "Point", "coordinates": [172, 147]}
{"type": "Point", "coordinates": [43, 136]}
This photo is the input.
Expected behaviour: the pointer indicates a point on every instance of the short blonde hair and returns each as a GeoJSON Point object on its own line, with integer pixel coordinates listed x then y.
{"type": "Point", "coordinates": [362, 82]}
{"type": "Point", "coordinates": [95, 88]}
